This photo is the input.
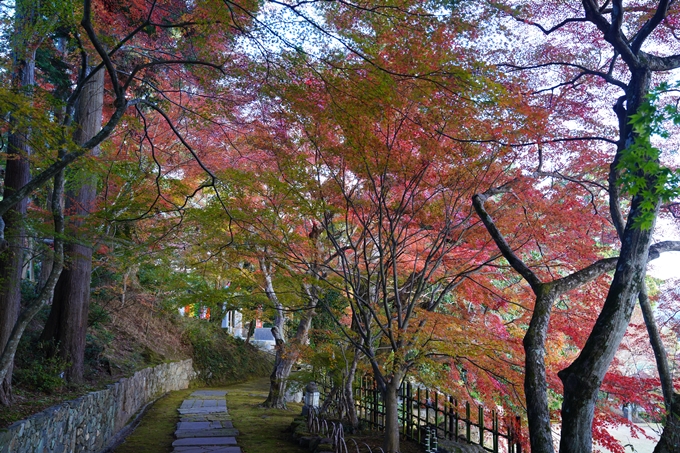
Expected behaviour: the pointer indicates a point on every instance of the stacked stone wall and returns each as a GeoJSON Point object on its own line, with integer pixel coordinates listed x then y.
{"type": "Point", "coordinates": [87, 424]}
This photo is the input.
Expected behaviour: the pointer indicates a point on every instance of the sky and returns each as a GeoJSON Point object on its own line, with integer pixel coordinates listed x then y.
{"type": "Point", "coordinates": [668, 265]}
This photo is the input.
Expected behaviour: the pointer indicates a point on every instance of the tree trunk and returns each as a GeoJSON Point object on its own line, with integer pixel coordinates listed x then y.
{"type": "Point", "coordinates": [286, 354]}
{"type": "Point", "coordinates": [348, 389]}
{"type": "Point", "coordinates": [391, 440]}
{"type": "Point", "coordinates": [535, 382]}
{"type": "Point", "coordinates": [251, 331]}
{"type": "Point", "coordinates": [670, 438]}
{"type": "Point", "coordinates": [46, 293]}
{"type": "Point", "coordinates": [12, 259]}
{"type": "Point", "coordinates": [17, 174]}
{"type": "Point", "coordinates": [67, 324]}
{"type": "Point", "coordinates": [582, 379]}
{"type": "Point", "coordinates": [660, 355]}
{"type": "Point", "coordinates": [278, 380]}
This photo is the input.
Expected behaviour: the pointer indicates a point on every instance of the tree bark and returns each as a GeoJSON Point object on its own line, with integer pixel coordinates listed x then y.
{"type": "Point", "coordinates": [665, 374]}
{"type": "Point", "coordinates": [535, 381]}
{"type": "Point", "coordinates": [17, 175]}
{"type": "Point", "coordinates": [670, 438]}
{"type": "Point", "coordinates": [582, 379]}
{"type": "Point", "coordinates": [348, 389]}
{"type": "Point", "coordinates": [67, 323]}
{"type": "Point", "coordinates": [286, 354]}
{"type": "Point", "coordinates": [46, 293]}
{"type": "Point", "coordinates": [391, 440]}
{"type": "Point", "coordinates": [12, 259]}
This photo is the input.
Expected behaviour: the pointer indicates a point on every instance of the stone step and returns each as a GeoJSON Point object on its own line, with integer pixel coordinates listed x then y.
{"type": "Point", "coordinates": [209, 393]}
{"type": "Point", "coordinates": [204, 441]}
{"type": "Point", "coordinates": [219, 432]}
{"type": "Point", "coordinates": [207, 449]}
{"type": "Point", "coordinates": [217, 416]}
{"type": "Point", "coordinates": [199, 425]}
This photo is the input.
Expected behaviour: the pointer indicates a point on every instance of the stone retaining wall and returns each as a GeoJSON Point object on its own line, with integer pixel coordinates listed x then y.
{"type": "Point", "coordinates": [88, 423]}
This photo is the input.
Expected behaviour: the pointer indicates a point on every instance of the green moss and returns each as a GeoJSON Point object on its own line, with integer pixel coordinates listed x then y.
{"type": "Point", "coordinates": [155, 433]}
{"type": "Point", "coordinates": [261, 429]}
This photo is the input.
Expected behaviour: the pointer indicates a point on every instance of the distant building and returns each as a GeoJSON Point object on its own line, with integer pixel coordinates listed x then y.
{"type": "Point", "coordinates": [262, 337]}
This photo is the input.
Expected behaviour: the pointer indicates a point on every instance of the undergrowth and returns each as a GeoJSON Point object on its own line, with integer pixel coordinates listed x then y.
{"type": "Point", "coordinates": [220, 358]}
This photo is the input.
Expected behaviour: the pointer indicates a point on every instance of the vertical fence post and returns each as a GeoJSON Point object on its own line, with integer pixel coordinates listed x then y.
{"type": "Point", "coordinates": [480, 418]}
{"type": "Point", "coordinates": [436, 409]}
{"type": "Point", "coordinates": [409, 410]}
{"type": "Point", "coordinates": [451, 403]}
{"type": "Point", "coordinates": [375, 404]}
{"type": "Point", "coordinates": [494, 423]}
{"type": "Point", "coordinates": [418, 419]}
{"type": "Point", "coordinates": [467, 422]}
{"type": "Point", "coordinates": [455, 408]}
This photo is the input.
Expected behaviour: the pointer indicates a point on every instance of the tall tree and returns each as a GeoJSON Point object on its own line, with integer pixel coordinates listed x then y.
{"type": "Point", "coordinates": [67, 323]}
{"type": "Point", "coordinates": [122, 43]}
{"type": "Point", "coordinates": [17, 175]}
{"type": "Point", "coordinates": [623, 36]}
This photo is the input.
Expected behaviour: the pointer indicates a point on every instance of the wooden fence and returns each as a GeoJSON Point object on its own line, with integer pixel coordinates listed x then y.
{"type": "Point", "coordinates": [423, 411]}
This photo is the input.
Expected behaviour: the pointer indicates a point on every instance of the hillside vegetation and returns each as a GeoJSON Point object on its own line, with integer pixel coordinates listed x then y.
{"type": "Point", "coordinates": [122, 339]}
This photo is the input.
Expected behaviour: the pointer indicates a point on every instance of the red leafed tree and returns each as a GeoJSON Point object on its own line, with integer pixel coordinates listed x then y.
{"type": "Point", "coordinates": [396, 198]}
{"type": "Point", "coordinates": [579, 60]}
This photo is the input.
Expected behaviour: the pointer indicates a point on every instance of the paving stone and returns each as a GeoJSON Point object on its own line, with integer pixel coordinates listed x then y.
{"type": "Point", "coordinates": [219, 432]}
{"type": "Point", "coordinates": [207, 449]}
{"type": "Point", "coordinates": [200, 410]}
{"type": "Point", "coordinates": [194, 425]}
{"type": "Point", "coordinates": [219, 417]}
{"type": "Point", "coordinates": [204, 441]}
{"type": "Point", "coordinates": [212, 393]}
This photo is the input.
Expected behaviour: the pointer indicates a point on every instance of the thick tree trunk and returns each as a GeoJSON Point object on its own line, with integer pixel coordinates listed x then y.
{"type": "Point", "coordinates": [46, 293]}
{"type": "Point", "coordinates": [286, 354]}
{"type": "Point", "coordinates": [535, 382]}
{"type": "Point", "coordinates": [11, 262]}
{"type": "Point", "coordinates": [67, 324]}
{"type": "Point", "coordinates": [17, 174]}
{"type": "Point", "coordinates": [278, 380]}
{"type": "Point", "coordinates": [391, 440]}
{"type": "Point", "coordinates": [582, 379]}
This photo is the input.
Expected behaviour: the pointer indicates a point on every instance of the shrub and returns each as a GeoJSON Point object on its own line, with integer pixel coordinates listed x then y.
{"type": "Point", "coordinates": [220, 359]}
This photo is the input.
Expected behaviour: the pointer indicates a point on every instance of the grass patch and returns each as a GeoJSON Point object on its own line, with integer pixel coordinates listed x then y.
{"type": "Point", "coordinates": [155, 433]}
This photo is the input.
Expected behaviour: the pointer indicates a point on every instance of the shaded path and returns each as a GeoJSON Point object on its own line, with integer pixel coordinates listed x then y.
{"type": "Point", "coordinates": [205, 424]}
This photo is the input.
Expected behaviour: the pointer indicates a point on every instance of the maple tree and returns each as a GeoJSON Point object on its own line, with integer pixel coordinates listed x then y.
{"type": "Point", "coordinates": [351, 173]}
{"type": "Point", "coordinates": [396, 200]}
{"type": "Point", "coordinates": [624, 76]}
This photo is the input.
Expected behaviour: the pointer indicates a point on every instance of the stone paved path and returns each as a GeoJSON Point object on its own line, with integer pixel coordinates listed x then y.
{"type": "Point", "coordinates": [205, 425]}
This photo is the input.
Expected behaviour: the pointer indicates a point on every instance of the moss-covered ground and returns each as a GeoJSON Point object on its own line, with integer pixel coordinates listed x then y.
{"type": "Point", "coordinates": [261, 430]}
